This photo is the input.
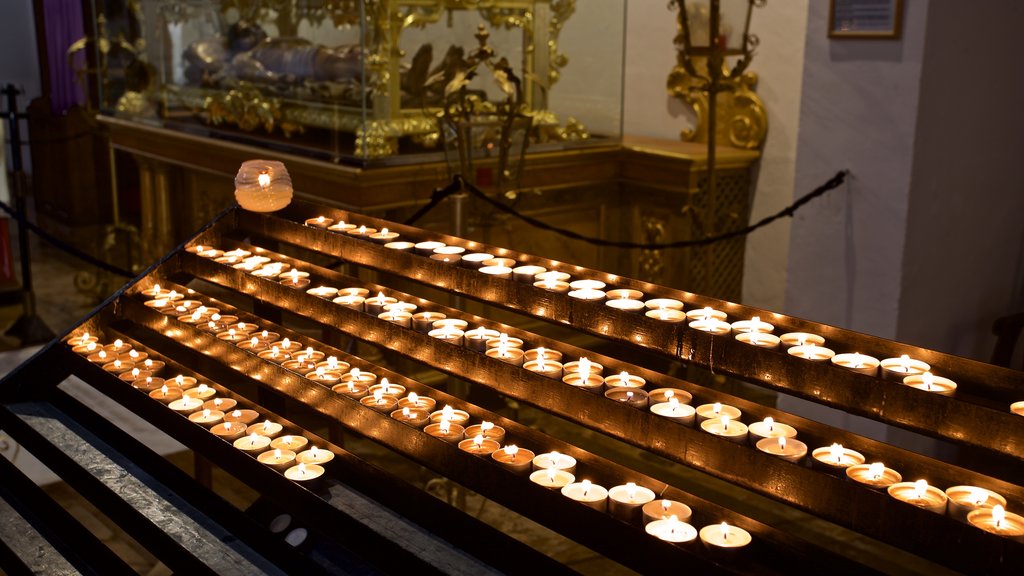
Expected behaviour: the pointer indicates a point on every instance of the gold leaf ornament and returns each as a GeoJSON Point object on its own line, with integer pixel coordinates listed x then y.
{"type": "Point", "coordinates": [263, 186]}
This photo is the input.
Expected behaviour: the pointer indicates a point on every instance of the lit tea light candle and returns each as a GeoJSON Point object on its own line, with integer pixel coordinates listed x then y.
{"type": "Point", "coordinates": [375, 304]}
{"type": "Point", "coordinates": [707, 313]}
{"type": "Point", "coordinates": [527, 273]}
{"type": "Point", "coordinates": [626, 501]}
{"type": "Point", "coordinates": [243, 416]}
{"type": "Point", "coordinates": [835, 458]}
{"type": "Point", "coordinates": [400, 246]}
{"type": "Point", "coordinates": [234, 336]}
{"type": "Point", "coordinates": [587, 493]}
{"type": "Point", "coordinates": [665, 509]}
{"type": "Point", "coordinates": [726, 428]}
{"type": "Point", "coordinates": [488, 430]}
{"type": "Point", "coordinates": [341, 226]}
{"type": "Point", "coordinates": [506, 354]}
{"type": "Point", "coordinates": [201, 392]}
{"type": "Point", "coordinates": [352, 389]}
{"type": "Point", "coordinates": [156, 291]}
{"type": "Point", "coordinates": [584, 379]}
{"type": "Point", "coordinates": [134, 356]}
{"type": "Point", "coordinates": [229, 431]}
{"type": "Point", "coordinates": [287, 345]}
{"type": "Point", "coordinates": [253, 345]}
{"type": "Point", "coordinates": [920, 494]}
{"type": "Point", "coordinates": [675, 410]}
{"type": "Point", "coordinates": [450, 259]}
{"type": "Point", "coordinates": [513, 458]}
{"type": "Point", "coordinates": [87, 349]}
{"type": "Point", "coordinates": [153, 366]}
{"type": "Point", "coordinates": [999, 522]}
{"type": "Point", "coordinates": [314, 455]}
{"type": "Point", "coordinates": [324, 376]}
{"type": "Point", "coordinates": [228, 260]}
{"type": "Point", "coordinates": [351, 301]}
{"type": "Point", "coordinates": [238, 253]}
{"type": "Point", "coordinates": [626, 380]}
{"type": "Point", "coordinates": [247, 266]}
{"type": "Point", "coordinates": [552, 284]}
{"type": "Point", "coordinates": [671, 529]}
{"type": "Point", "coordinates": [199, 249]}
{"type": "Point", "coordinates": [475, 260]}
{"type": "Point", "coordinates": [158, 303]}
{"type": "Point", "coordinates": [965, 499]}
{"type": "Point", "coordinates": [362, 231]}
{"type": "Point", "coordinates": [166, 394]}
{"type": "Point", "coordinates": [479, 446]}
{"type": "Point", "coordinates": [222, 404]}
{"type": "Point", "coordinates": [451, 414]}
{"type": "Point", "coordinates": [326, 292]}
{"type": "Point", "coordinates": [384, 236]}
{"type": "Point", "coordinates": [759, 339]}
{"type": "Point", "coordinates": [755, 324]}
{"type": "Point", "coordinates": [446, 430]}
{"type": "Point", "coordinates": [186, 405]}
{"type": "Point", "coordinates": [354, 291]}
{"type": "Point", "coordinates": [552, 478]}
{"type": "Point", "coordinates": [505, 340]}
{"type": "Point", "coordinates": [379, 401]}
{"type": "Point", "coordinates": [586, 294]}
{"type": "Point", "coordinates": [541, 352]}
{"type": "Point", "coordinates": [101, 357]}
{"type": "Point", "coordinates": [716, 411]}
{"type": "Point", "coordinates": [133, 375]}
{"type": "Point", "coordinates": [118, 366]}
{"type": "Point", "coordinates": [789, 449]}
{"type": "Point", "coordinates": [423, 322]}
{"type": "Point", "coordinates": [450, 251]}
{"type": "Point", "coordinates": [427, 248]}
{"type": "Point", "coordinates": [900, 368]}
{"type": "Point", "coordinates": [625, 300]}
{"type": "Point", "coordinates": [265, 428]}
{"type": "Point", "coordinates": [306, 474]}
{"type": "Point", "coordinates": [541, 365]}
{"type": "Point", "coordinates": [477, 338]}
{"type": "Point", "coordinates": [769, 428]}
{"type": "Point", "coordinates": [148, 384]}
{"type": "Point", "coordinates": [299, 364]}
{"type": "Point", "coordinates": [811, 352]}
{"type": "Point", "coordinates": [791, 339]}
{"type": "Point", "coordinates": [289, 442]}
{"type": "Point", "coordinates": [724, 538]}
{"type": "Point", "coordinates": [456, 323]}
{"type": "Point", "coordinates": [206, 417]}
{"type": "Point", "coordinates": [503, 272]}
{"type": "Point", "coordinates": [584, 365]}
{"type": "Point", "coordinates": [319, 222]}
{"type": "Point", "coordinates": [294, 278]}
{"type": "Point", "coordinates": [931, 383]}
{"type": "Point", "coordinates": [874, 475]}
{"type": "Point", "coordinates": [632, 397]}
{"type": "Point", "coordinates": [857, 362]}
{"type": "Point", "coordinates": [556, 461]}
{"type": "Point", "coordinates": [711, 326]}
{"type": "Point", "coordinates": [669, 315]}
{"type": "Point", "coordinates": [278, 459]}
{"type": "Point", "coordinates": [659, 395]}
{"type": "Point", "coordinates": [399, 317]}
{"type": "Point", "coordinates": [252, 444]}
{"type": "Point", "coordinates": [417, 402]}
{"type": "Point", "coordinates": [664, 304]}
{"type": "Point", "coordinates": [447, 333]}
{"type": "Point", "coordinates": [386, 387]}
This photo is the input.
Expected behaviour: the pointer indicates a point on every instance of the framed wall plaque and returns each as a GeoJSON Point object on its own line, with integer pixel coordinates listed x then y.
{"type": "Point", "coordinates": [879, 19]}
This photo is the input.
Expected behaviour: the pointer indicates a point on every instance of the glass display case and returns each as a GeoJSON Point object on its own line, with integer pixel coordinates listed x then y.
{"type": "Point", "coordinates": [360, 80]}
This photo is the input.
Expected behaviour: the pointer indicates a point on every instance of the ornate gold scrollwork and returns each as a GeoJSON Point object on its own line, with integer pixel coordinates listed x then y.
{"type": "Point", "coordinates": [742, 118]}
{"type": "Point", "coordinates": [248, 108]}
{"type": "Point", "coordinates": [561, 10]}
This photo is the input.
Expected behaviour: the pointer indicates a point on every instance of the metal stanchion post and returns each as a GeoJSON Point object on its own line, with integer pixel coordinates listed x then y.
{"type": "Point", "coordinates": [28, 328]}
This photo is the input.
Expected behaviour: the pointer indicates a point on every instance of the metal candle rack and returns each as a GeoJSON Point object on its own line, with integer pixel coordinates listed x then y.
{"type": "Point", "coordinates": [977, 418]}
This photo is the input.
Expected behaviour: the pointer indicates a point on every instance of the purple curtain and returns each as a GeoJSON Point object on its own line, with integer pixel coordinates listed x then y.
{"type": "Point", "coordinates": [63, 27]}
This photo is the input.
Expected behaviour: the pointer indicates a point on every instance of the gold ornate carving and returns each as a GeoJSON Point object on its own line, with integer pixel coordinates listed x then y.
{"type": "Point", "coordinates": [247, 108]}
{"type": "Point", "coordinates": [561, 10]}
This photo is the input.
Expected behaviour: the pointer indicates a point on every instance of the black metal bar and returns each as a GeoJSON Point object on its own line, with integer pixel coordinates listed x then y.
{"type": "Point", "coordinates": [806, 488]}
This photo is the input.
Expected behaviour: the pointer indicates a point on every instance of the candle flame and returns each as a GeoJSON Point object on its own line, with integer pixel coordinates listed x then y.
{"type": "Point", "coordinates": [836, 452]}
{"type": "Point", "coordinates": [302, 468]}
{"type": "Point", "coordinates": [356, 374]}
{"type": "Point", "coordinates": [217, 402]}
{"type": "Point", "coordinates": [406, 413]}
{"type": "Point", "coordinates": [202, 388]}
{"type": "Point", "coordinates": [362, 229]}
{"type": "Point", "coordinates": [928, 380]}
{"type": "Point", "coordinates": [277, 453]}
{"type": "Point", "coordinates": [263, 179]}
{"type": "Point", "coordinates": [629, 395]}
{"type": "Point", "coordinates": [148, 363]}
{"type": "Point", "coordinates": [445, 426]}
{"type": "Point", "coordinates": [485, 426]}
{"type": "Point", "coordinates": [586, 485]}
{"type": "Point", "coordinates": [378, 396]}
{"type": "Point", "coordinates": [725, 423]}
{"type": "Point", "coordinates": [876, 470]}
{"type": "Point", "coordinates": [136, 372]}
{"type": "Point", "coordinates": [512, 450]}
{"type": "Point", "coordinates": [673, 404]}
{"type": "Point", "coordinates": [231, 332]}
{"type": "Point", "coordinates": [920, 489]}
{"type": "Point", "coordinates": [266, 425]}
{"type": "Point", "coordinates": [716, 408]}
{"type": "Point", "coordinates": [801, 340]}
{"type": "Point", "coordinates": [541, 353]}
{"type": "Point", "coordinates": [227, 426]}
{"type": "Point", "coordinates": [905, 363]}
{"type": "Point", "coordinates": [666, 505]}
{"type": "Point", "coordinates": [380, 297]}
{"type": "Point", "coordinates": [414, 398]}
{"type": "Point", "coordinates": [253, 437]}
{"type": "Point", "coordinates": [351, 386]}
{"type": "Point", "coordinates": [631, 490]}
{"type": "Point", "coordinates": [857, 360]}
{"type": "Point", "coordinates": [287, 439]}
{"type": "Point", "coordinates": [770, 423]}
{"type": "Point", "coordinates": [978, 496]}
{"type": "Point", "coordinates": [206, 412]}
{"type": "Point", "coordinates": [584, 366]}
{"type": "Point", "coordinates": [314, 452]}
{"type": "Point", "coordinates": [164, 389]}
{"type": "Point", "coordinates": [180, 379]}
{"type": "Point", "coordinates": [998, 515]}
{"type": "Point", "coordinates": [725, 531]}
{"type": "Point", "coordinates": [254, 342]}
{"type": "Point", "coordinates": [117, 363]}
{"type": "Point", "coordinates": [156, 288]}
{"type": "Point", "coordinates": [236, 414]}
{"type": "Point", "coordinates": [286, 343]}
{"type": "Point", "coordinates": [541, 364]}
{"type": "Point", "coordinates": [478, 440]}
{"type": "Point", "coordinates": [103, 354]}
{"type": "Point", "coordinates": [551, 474]}
{"type": "Point", "coordinates": [133, 354]}
{"type": "Point", "coordinates": [782, 443]}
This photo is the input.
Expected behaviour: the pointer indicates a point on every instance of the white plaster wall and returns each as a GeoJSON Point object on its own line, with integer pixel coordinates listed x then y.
{"type": "Point", "coordinates": [965, 241]}
{"type": "Point", "coordinates": [649, 111]}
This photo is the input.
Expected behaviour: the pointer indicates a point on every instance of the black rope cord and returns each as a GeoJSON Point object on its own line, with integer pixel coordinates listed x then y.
{"type": "Point", "coordinates": [61, 245]}
{"type": "Point", "coordinates": [436, 197]}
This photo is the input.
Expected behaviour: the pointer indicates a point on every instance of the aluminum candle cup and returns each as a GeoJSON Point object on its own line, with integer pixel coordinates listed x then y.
{"type": "Point", "coordinates": [755, 324]}
{"type": "Point", "coordinates": [362, 232]}
{"type": "Point", "coordinates": [206, 417]}
{"type": "Point", "coordinates": [476, 339]}
{"type": "Point", "coordinates": [186, 405]}
{"type": "Point", "coordinates": [252, 444]}
{"type": "Point", "coordinates": [423, 322]}
{"type": "Point", "coordinates": [475, 260]}
{"type": "Point", "coordinates": [769, 428]}
{"type": "Point", "coordinates": [665, 509]}
{"type": "Point", "coordinates": [965, 499]}
{"type": "Point", "coordinates": [791, 339]}
{"type": "Point", "coordinates": [517, 460]}
{"type": "Point", "coordinates": [999, 522]}
{"type": "Point", "coordinates": [874, 475]}
{"type": "Point", "coordinates": [309, 475]}
{"type": "Point", "coordinates": [716, 411]}
{"type": "Point", "coordinates": [401, 246]}
{"type": "Point", "coordinates": [835, 458]}
{"type": "Point", "coordinates": [319, 222]}
{"type": "Point", "coordinates": [222, 404]}
{"type": "Point", "coordinates": [450, 251]}
{"type": "Point", "coordinates": [526, 274]}
{"type": "Point", "coordinates": [624, 380]}
{"type": "Point", "coordinates": [166, 394]}
{"type": "Point", "coordinates": [148, 384]}
{"type": "Point", "coordinates": [375, 304]}
{"type": "Point", "coordinates": [488, 430]}
{"type": "Point", "coordinates": [724, 538]}
{"type": "Point", "coordinates": [672, 530]}
{"type": "Point", "coordinates": [451, 414]}
{"type": "Point", "coordinates": [289, 442]}
{"type": "Point", "coordinates": [512, 356]}
{"type": "Point", "coordinates": [448, 334]}
{"type": "Point", "coordinates": [455, 323]}
{"type": "Point", "coordinates": [789, 449]}
{"type": "Point", "coordinates": [583, 365]}
{"type": "Point", "coordinates": [625, 300]}
{"type": "Point", "coordinates": [592, 383]}
{"type": "Point", "coordinates": [417, 402]}
{"type": "Point", "coordinates": [663, 304]}
{"type": "Point", "coordinates": [499, 261]}
{"type": "Point", "coordinates": [341, 226]}
{"type": "Point", "coordinates": [666, 315]}
{"type": "Point", "coordinates": [549, 368]}
{"type": "Point", "coordinates": [362, 377]}
{"type": "Point", "coordinates": [265, 428]}
{"type": "Point", "coordinates": [384, 236]}
{"type": "Point", "coordinates": [352, 389]}
{"type": "Point", "coordinates": [899, 368]}
{"type": "Point", "coordinates": [931, 383]}
{"type": "Point", "coordinates": [452, 433]}
{"type": "Point", "coordinates": [549, 354]}
{"type": "Point", "coordinates": [278, 459]}
{"type": "Point", "coordinates": [920, 494]}
{"type": "Point", "coordinates": [351, 301]}
{"type": "Point", "coordinates": [711, 326]}
{"type": "Point", "coordinates": [626, 501]}
{"type": "Point", "coordinates": [229, 431]}
{"type": "Point", "coordinates": [403, 319]}
{"type": "Point", "coordinates": [385, 387]}
{"type": "Point", "coordinates": [503, 272]}
{"type": "Point", "coordinates": [427, 248]}
{"type": "Point", "coordinates": [294, 279]}
{"type": "Point", "coordinates": [450, 259]}
{"type": "Point", "coordinates": [675, 410]}
{"type": "Point", "coordinates": [857, 362]}
{"type": "Point", "coordinates": [707, 313]}
{"type": "Point", "coordinates": [586, 294]}
{"type": "Point", "coordinates": [556, 286]}
{"type": "Point", "coordinates": [811, 352]}
{"type": "Point", "coordinates": [759, 339]}
{"type": "Point", "coordinates": [118, 366]}
{"type": "Point", "coordinates": [726, 428]}
{"type": "Point", "coordinates": [556, 461]}
{"type": "Point", "coordinates": [588, 494]}
{"type": "Point", "coordinates": [479, 446]}
{"type": "Point", "coordinates": [552, 478]}
{"type": "Point", "coordinates": [354, 291]}
{"type": "Point", "coordinates": [314, 455]}
{"type": "Point", "coordinates": [243, 416]}
{"type": "Point", "coordinates": [325, 292]}
{"type": "Point", "coordinates": [380, 403]}
{"type": "Point", "coordinates": [659, 395]}
{"type": "Point", "coordinates": [632, 397]}
{"type": "Point", "coordinates": [504, 340]}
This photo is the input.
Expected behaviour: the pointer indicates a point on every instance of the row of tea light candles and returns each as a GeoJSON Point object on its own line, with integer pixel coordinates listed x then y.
{"type": "Point", "coordinates": [665, 519]}
{"type": "Point", "coordinates": [776, 439]}
{"type": "Point", "coordinates": [911, 372]}
{"type": "Point", "coordinates": [198, 402]}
